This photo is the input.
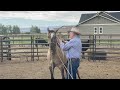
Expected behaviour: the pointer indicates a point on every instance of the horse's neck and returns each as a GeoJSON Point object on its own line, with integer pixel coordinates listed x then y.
{"type": "Point", "coordinates": [48, 40]}
{"type": "Point", "coordinates": [60, 52]}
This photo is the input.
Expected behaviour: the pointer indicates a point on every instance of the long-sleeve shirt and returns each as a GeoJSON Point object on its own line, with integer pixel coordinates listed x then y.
{"type": "Point", "coordinates": [73, 48]}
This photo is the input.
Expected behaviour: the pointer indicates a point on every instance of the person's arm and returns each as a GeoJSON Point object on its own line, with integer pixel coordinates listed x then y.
{"type": "Point", "coordinates": [64, 42]}
{"type": "Point", "coordinates": [66, 46]}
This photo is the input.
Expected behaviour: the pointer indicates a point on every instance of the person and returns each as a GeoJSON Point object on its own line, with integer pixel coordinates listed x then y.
{"type": "Point", "coordinates": [73, 50]}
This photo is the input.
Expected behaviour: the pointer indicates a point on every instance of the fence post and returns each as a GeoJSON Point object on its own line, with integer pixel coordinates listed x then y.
{"type": "Point", "coordinates": [31, 49]}
{"type": "Point", "coordinates": [90, 47]}
{"type": "Point", "coordinates": [99, 39]}
{"type": "Point", "coordinates": [37, 47]}
{"type": "Point", "coordinates": [1, 49]}
{"type": "Point", "coordinates": [13, 39]}
{"type": "Point", "coordinates": [8, 48]}
{"type": "Point", "coordinates": [110, 41]}
{"type": "Point", "coordinates": [93, 47]}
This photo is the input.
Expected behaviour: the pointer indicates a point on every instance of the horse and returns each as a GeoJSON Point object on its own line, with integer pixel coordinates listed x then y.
{"type": "Point", "coordinates": [56, 55]}
{"type": "Point", "coordinates": [38, 41]}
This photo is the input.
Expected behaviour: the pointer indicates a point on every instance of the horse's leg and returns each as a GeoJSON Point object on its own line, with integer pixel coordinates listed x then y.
{"type": "Point", "coordinates": [51, 68]}
{"type": "Point", "coordinates": [62, 72]}
{"type": "Point", "coordinates": [78, 74]}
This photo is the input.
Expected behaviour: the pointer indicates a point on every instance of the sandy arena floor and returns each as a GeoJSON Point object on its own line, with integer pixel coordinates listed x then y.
{"type": "Point", "coordinates": [17, 69]}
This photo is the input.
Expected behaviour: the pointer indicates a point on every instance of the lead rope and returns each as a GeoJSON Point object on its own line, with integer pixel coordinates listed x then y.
{"type": "Point", "coordinates": [68, 68]}
{"type": "Point", "coordinates": [71, 67]}
{"type": "Point", "coordinates": [65, 66]}
{"type": "Point", "coordinates": [68, 73]}
{"type": "Point", "coordinates": [52, 68]}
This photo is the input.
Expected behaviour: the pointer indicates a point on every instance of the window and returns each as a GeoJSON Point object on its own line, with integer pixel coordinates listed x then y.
{"type": "Point", "coordinates": [95, 30]}
{"type": "Point", "coordinates": [100, 30]}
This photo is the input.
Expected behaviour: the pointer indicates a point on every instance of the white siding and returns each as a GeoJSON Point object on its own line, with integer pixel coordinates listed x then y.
{"type": "Point", "coordinates": [98, 20]}
{"type": "Point", "coordinates": [107, 29]}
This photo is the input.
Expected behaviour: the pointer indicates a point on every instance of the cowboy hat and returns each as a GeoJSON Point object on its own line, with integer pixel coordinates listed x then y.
{"type": "Point", "coordinates": [75, 30]}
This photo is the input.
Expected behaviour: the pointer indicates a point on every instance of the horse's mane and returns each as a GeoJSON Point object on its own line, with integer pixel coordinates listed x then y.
{"type": "Point", "coordinates": [54, 44]}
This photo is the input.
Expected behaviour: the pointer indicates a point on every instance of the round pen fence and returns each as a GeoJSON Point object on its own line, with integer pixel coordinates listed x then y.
{"type": "Point", "coordinates": [35, 46]}
{"type": "Point", "coordinates": [23, 46]}
{"type": "Point", "coordinates": [4, 47]}
{"type": "Point", "coordinates": [100, 46]}
{"type": "Point", "coordinates": [103, 46]}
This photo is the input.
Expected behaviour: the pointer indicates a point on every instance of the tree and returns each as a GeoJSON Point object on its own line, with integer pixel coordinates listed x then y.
{"type": "Point", "coordinates": [9, 29]}
{"type": "Point", "coordinates": [34, 29]}
{"type": "Point", "coordinates": [4, 29]}
{"type": "Point", "coordinates": [0, 28]}
{"type": "Point", "coordinates": [16, 29]}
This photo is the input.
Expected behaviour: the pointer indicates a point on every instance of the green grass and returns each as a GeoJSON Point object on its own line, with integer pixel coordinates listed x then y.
{"type": "Point", "coordinates": [44, 36]}
{"type": "Point", "coordinates": [25, 39]}
{"type": "Point", "coordinates": [19, 40]}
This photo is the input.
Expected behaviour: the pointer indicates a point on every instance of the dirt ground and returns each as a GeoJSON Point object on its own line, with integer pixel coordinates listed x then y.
{"type": "Point", "coordinates": [21, 69]}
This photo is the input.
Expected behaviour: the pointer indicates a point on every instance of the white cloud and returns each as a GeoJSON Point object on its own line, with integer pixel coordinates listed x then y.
{"type": "Point", "coordinates": [67, 16]}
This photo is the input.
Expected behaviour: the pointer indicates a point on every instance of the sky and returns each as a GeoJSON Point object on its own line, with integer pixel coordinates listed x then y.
{"type": "Point", "coordinates": [41, 18]}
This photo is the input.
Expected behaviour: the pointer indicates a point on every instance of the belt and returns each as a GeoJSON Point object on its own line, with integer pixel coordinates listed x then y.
{"type": "Point", "coordinates": [73, 58]}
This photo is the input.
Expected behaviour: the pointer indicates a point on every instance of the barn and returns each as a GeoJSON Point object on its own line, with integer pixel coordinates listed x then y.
{"type": "Point", "coordinates": [100, 23]}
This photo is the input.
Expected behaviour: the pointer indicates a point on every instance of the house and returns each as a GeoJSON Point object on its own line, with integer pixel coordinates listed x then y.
{"type": "Point", "coordinates": [96, 23]}
{"type": "Point", "coordinates": [100, 23]}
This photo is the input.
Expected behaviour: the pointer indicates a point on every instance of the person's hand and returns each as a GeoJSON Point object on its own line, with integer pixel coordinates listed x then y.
{"type": "Point", "coordinates": [59, 40]}
{"type": "Point", "coordinates": [65, 41]}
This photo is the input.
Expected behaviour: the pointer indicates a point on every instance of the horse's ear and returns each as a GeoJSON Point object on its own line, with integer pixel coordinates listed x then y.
{"type": "Point", "coordinates": [56, 30]}
{"type": "Point", "coordinates": [48, 34]}
{"type": "Point", "coordinates": [48, 29]}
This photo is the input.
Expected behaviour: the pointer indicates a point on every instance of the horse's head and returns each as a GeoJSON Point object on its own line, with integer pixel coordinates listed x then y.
{"type": "Point", "coordinates": [52, 39]}
{"type": "Point", "coordinates": [51, 33]}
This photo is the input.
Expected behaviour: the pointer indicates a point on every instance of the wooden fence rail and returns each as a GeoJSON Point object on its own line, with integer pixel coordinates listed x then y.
{"type": "Point", "coordinates": [17, 46]}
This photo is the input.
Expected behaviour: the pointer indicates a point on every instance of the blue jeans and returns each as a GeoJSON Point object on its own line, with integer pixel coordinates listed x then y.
{"type": "Point", "coordinates": [74, 63]}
